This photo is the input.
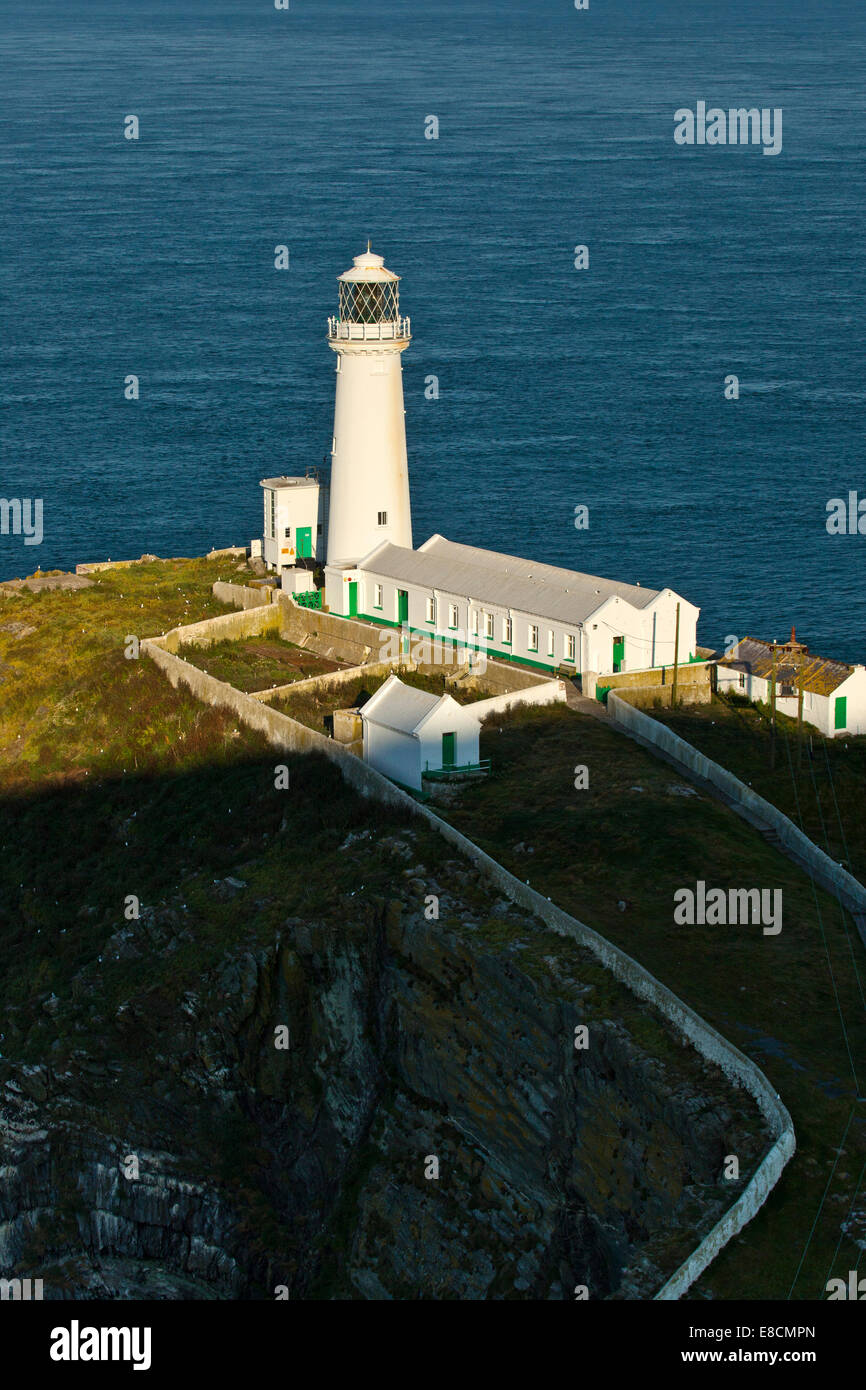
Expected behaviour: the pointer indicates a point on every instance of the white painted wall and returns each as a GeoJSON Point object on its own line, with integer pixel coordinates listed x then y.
{"type": "Point", "coordinates": [546, 693]}
{"type": "Point", "coordinates": [396, 755]}
{"type": "Point", "coordinates": [449, 717]}
{"type": "Point", "coordinates": [649, 633]}
{"type": "Point", "coordinates": [387, 611]}
{"type": "Point", "coordinates": [403, 756]}
{"type": "Point", "coordinates": [301, 504]}
{"type": "Point", "coordinates": [369, 469]}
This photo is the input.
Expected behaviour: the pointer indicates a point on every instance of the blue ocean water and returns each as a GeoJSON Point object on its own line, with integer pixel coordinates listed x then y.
{"type": "Point", "coordinates": [557, 386]}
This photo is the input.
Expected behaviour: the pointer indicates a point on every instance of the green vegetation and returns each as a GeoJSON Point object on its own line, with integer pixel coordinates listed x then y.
{"type": "Point", "coordinates": [73, 707]}
{"type": "Point", "coordinates": [257, 663]}
{"type": "Point", "coordinates": [114, 783]}
{"type": "Point", "coordinates": [820, 787]}
{"type": "Point", "coordinates": [633, 837]}
{"type": "Point", "coordinates": [312, 707]}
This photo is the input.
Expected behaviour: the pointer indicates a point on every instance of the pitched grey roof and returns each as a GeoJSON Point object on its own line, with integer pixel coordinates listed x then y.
{"type": "Point", "coordinates": [399, 706]}
{"type": "Point", "coordinates": [505, 580]}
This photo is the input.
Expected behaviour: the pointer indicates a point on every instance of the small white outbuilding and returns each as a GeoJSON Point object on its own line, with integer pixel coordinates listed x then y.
{"type": "Point", "coordinates": [408, 732]}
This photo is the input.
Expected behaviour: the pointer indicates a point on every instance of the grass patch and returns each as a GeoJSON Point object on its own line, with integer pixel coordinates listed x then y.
{"type": "Point", "coordinates": [257, 663]}
{"type": "Point", "coordinates": [819, 785]}
{"type": "Point", "coordinates": [632, 838]}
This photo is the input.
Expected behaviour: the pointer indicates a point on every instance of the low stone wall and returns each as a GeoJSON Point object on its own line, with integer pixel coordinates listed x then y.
{"type": "Point", "coordinates": [286, 734]}
{"type": "Point", "coordinates": [545, 693]}
{"type": "Point", "coordinates": [694, 682]}
{"type": "Point", "coordinates": [228, 627]}
{"type": "Point", "coordinates": [333, 679]}
{"type": "Point", "coordinates": [742, 799]}
{"type": "Point", "coordinates": [340, 639]}
{"type": "Point", "coordinates": [241, 595]}
{"type": "Point", "coordinates": [661, 696]}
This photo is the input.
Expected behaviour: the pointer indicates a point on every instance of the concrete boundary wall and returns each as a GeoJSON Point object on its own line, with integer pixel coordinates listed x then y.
{"type": "Point", "coordinates": [241, 595]}
{"type": "Point", "coordinates": [228, 627]}
{"type": "Point", "coordinates": [285, 733]}
{"type": "Point", "coordinates": [545, 693]}
{"type": "Point", "coordinates": [741, 799]}
{"type": "Point", "coordinates": [336, 678]}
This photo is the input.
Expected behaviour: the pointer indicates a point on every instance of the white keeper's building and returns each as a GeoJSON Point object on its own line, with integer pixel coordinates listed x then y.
{"type": "Point", "coordinates": [515, 609]}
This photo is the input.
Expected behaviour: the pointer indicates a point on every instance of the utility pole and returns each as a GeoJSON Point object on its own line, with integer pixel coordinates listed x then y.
{"type": "Point", "coordinates": [676, 660]}
{"type": "Point", "coordinates": [773, 710]}
{"type": "Point", "coordinates": [800, 709]}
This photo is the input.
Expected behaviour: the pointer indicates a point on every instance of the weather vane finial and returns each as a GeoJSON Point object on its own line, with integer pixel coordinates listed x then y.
{"type": "Point", "coordinates": [368, 245]}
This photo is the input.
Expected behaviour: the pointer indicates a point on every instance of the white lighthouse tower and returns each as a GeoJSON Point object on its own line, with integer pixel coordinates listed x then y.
{"type": "Point", "coordinates": [369, 496]}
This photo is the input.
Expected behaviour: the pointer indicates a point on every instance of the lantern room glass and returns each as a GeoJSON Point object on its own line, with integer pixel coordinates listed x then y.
{"type": "Point", "coordinates": [363, 301]}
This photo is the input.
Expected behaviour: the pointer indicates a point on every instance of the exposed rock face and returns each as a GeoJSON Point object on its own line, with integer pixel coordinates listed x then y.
{"type": "Point", "coordinates": [414, 1047]}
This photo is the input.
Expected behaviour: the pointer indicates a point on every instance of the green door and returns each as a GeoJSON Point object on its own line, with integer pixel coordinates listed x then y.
{"type": "Point", "coordinates": [618, 653]}
{"type": "Point", "coordinates": [353, 598]}
{"type": "Point", "coordinates": [448, 750]}
{"type": "Point", "coordinates": [841, 712]}
{"type": "Point", "coordinates": [402, 605]}
{"type": "Point", "coordinates": [304, 537]}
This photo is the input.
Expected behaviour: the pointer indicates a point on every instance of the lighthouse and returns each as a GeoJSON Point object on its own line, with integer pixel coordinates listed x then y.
{"type": "Point", "coordinates": [369, 492]}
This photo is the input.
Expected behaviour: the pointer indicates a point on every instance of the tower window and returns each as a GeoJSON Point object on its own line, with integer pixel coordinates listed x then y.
{"type": "Point", "coordinates": [319, 529]}
{"type": "Point", "coordinates": [383, 518]}
{"type": "Point", "coordinates": [288, 533]}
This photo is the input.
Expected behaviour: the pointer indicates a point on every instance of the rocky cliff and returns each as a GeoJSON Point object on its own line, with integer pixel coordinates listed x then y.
{"type": "Point", "coordinates": [355, 1099]}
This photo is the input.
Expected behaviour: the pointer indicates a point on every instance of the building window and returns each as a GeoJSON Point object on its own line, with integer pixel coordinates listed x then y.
{"type": "Point", "coordinates": [473, 621]}
{"type": "Point", "coordinates": [533, 637]}
{"type": "Point", "coordinates": [288, 533]}
{"type": "Point", "coordinates": [488, 625]}
{"type": "Point", "coordinates": [551, 643]}
{"type": "Point", "coordinates": [431, 610]}
{"type": "Point", "coordinates": [452, 615]}
{"type": "Point", "coordinates": [271, 514]}
{"type": "Point", "coordinates": [319, 529]}
{"type": "Point", "coordinates": [742, 680]}
{"type": "Point", "coordinates": [377, 595]}
{"type": "Point", "coordinates": [383, 518]}
{"type": "Point", "coordinates": [569, 646]}
{"type": "Point", "coordinates": [506, 631]}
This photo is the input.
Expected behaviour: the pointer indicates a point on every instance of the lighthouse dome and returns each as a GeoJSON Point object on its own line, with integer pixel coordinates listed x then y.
{"type": "Point", "coordinates": [368, 292]}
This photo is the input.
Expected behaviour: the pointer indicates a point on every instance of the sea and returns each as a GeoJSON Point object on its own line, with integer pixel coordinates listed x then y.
{"type": "Point", "coordinates": [606, 386]}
